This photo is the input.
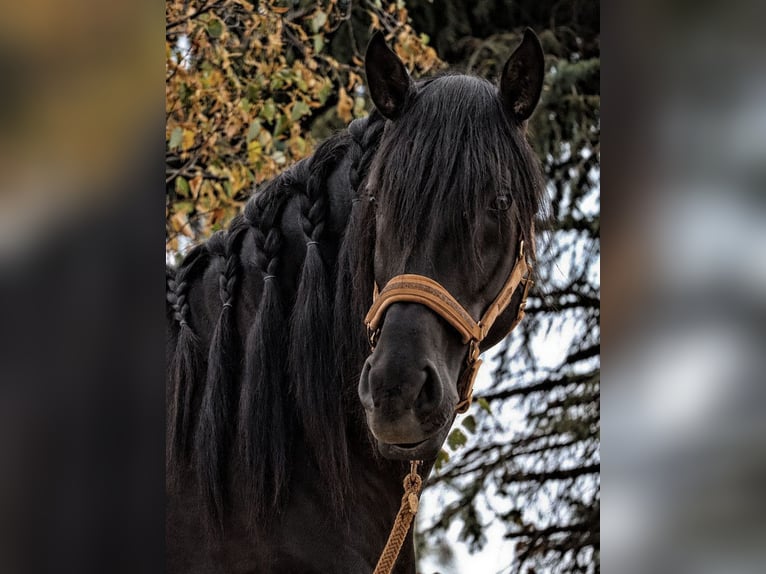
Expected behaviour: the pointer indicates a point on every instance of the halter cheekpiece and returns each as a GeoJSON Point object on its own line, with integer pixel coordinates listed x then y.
{"type": "Point", "coordinates": [414, 288]}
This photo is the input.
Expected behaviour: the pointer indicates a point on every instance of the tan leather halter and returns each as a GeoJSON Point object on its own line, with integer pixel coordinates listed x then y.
{"type": "Point", "coordinates": [413, 288]}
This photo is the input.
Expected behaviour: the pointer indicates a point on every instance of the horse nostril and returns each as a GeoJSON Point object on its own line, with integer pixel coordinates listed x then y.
{"type": "Point", "coordinates": [365, 392]}
{"type": "Point", "coordinates": [431, 393]}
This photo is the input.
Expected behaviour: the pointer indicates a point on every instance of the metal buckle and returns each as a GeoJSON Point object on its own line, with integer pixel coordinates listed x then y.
{"type": "Point", "coordinates": [372, 336]}
{"type": "Point", "coordinates": [473, 351]}
{"type": "Point", "coordinates": [465, 386]}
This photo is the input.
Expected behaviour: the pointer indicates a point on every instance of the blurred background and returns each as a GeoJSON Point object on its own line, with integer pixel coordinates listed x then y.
{"type": "Point", "coordinates": [685, 275]}
{"type": "Point", "coordinates": [83, 190]}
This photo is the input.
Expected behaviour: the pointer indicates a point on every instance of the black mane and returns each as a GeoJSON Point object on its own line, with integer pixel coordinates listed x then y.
{"type": "Point", "coordinates": [271, 358]}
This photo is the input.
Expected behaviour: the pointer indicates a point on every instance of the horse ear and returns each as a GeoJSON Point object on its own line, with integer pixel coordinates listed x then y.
{"type": "Point", "coordinates": [522, 79]}
{"type": "Point", "coordinates": [387, 78]}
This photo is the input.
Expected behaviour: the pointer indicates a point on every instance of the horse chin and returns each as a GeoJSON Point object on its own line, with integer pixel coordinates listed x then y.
{"type": "Point", "coordinates": [426, 449]}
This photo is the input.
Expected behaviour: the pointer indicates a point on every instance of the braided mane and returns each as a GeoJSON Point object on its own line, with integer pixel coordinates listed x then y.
{"type": "Point", "coordinates": [254, 370]}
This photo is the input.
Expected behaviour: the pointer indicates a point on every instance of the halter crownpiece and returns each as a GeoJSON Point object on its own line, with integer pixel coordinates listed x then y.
{"type": "Point", "coordinates": [414, 288]}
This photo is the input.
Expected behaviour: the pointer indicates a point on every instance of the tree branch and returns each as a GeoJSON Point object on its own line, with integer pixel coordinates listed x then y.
{"type": "Point", "coordinates": [558, 474]}
{"type": "Point", "coordinates": [545, 385]}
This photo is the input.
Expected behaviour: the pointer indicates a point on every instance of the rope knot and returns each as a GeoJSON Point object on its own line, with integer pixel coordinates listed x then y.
{"type": "Point", "coordinates": [412, 483]}
{"type": "Point", "coordinates": [412, 500]}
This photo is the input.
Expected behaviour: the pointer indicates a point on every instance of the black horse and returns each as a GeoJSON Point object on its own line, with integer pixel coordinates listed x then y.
{"type": "Point", "coordinates": [275, 465]}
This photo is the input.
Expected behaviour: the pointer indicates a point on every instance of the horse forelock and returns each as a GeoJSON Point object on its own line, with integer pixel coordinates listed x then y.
{"type": "Point", "coordinates": [445, 160]}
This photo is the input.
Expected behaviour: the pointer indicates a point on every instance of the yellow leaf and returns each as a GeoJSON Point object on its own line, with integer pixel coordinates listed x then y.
{"type": "Point", "coordinates": [297, 146]}
{"type": "Point", "coordinates": [188, 140]}
{"type": "Point", "coordinates": [232, 128]}
{"type": "Point", "coordinates": [345, 105]}
{"type": "Point", "coordinates": [179, 223]}
{"type": "Point", "coordinates": [375, 21]}
{"type": "Point", "coordinates": [254, 151]}
{"type": "Point", "coordinates": [194, 185]}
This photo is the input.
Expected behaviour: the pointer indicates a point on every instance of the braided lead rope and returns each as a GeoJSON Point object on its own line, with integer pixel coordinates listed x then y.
{"type": "Point", "coordinates": [408, 509]}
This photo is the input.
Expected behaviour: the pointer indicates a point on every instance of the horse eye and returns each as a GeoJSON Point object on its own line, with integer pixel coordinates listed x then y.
{"type": "Point", "coordinates": [502, 203]}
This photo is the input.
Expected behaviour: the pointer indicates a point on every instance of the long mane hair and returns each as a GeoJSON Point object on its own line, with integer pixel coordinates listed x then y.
{"type": "Point", "coordinates": [269, 362]}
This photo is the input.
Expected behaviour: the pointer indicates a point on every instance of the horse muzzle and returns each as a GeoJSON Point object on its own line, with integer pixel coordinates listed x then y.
{"type": "Point", "coordinates": [407, 390]}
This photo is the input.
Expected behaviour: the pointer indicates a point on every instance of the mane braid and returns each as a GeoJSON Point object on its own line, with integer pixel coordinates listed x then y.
{"type": "Point", "coordinates": [264, 425]}
{"type": "Point", "coordinates": [185, 366]}
{"type": "Point", "coordinates": [314, 381]}
{"type": "Point", "coordinates": [215, 428]}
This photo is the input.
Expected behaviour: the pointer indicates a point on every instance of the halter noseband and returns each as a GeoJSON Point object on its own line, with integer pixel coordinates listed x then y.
{"type": "Point", "coordinates": [413, 288]}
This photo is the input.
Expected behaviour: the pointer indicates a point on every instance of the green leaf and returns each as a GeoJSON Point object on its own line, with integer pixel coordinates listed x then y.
{"type": "Point", "coordinates": [253, 92]}
{"type": "Point", "coordinates": [268, 110]}
{"type": "Point", "coordinates": [300, 144]}
{"type": "Point", "coordinates": [318, 43]}
{"type": "Point", "coordinates": [456, 439]}
{"type": "Point", "coordinates": [277, 82]}
{"type": "Point", "coordinates": [300, 109]}
{"type": "Point", "coordinates": [469, 423]}
{"type": "Point", "coordinates": [184, 93]}
{"type": "Point", "coordinates": [360, 106]}
{"type": "Point", "coordinates": [186, 207]}
{"type": "Point", "coordinates": [176, 137]}
{"type": "Point", "coordinates": [325, 92]}
{"type": "Point", "coordinates": [253, 130]}
{"type": "Point", "coordinates": [484, 404]}
{"type": "Point", "coordinates": [441, 458]}
{"type": "Point", "coordinates": [319, 20]}
{"type": "Point", "coordinates": [282, 124]}
{"type": "Point", "coordinates": [287, 75]}
{"type": "Point", "coordinates": [215, 28]}
{"type": "Point", "coordinates": [182, 187]}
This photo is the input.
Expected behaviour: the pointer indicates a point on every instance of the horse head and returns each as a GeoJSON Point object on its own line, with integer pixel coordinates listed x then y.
{"type": "Point", "coordinates": [454, 188]}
